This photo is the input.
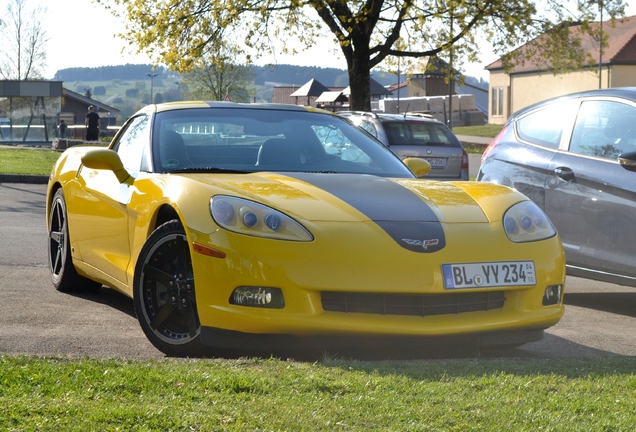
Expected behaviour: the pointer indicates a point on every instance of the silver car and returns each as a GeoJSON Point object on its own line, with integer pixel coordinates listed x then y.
{"type": "Point", "coordinates": [416, 136]}
{"type": "Point", "coordinates": [575, 157]}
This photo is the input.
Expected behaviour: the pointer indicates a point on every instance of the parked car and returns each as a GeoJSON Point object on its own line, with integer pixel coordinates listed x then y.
{"type": "Point", "coordinates": [266, 226]}
{"type": "Point", "coordinates": [417, 135]}
{"type": "Point", "coordinates": [575, 157]}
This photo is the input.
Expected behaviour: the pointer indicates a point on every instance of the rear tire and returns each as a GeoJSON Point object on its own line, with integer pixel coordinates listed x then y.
{"type": "Point", "coordinates": [164, 296]}
{"type": "Point", "coordinates": [63, 274]}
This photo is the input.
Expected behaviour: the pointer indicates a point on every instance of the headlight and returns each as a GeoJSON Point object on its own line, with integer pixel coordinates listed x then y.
{"type": "Point", "coordinates": [247, 217]}
{"type": "Point", "coordinates": [526, 222]}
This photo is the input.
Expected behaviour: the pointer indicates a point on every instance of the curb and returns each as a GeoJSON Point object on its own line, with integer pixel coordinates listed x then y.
{"type": "Point", "coordinates": [24, 178]}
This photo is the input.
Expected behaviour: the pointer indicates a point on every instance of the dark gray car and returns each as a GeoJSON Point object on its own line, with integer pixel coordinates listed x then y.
{"type": "Point", "coordinates": [417, 136]}
{"type": "Point", "coordinates": [575, 156]}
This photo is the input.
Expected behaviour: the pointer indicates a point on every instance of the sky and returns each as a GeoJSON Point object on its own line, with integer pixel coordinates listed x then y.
{"type": "Point", "coordinates": [76, 28]}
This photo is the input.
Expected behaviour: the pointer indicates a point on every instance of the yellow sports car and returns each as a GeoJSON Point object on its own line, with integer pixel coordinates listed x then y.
{"type": "Point", "coordinates": [273, 226]}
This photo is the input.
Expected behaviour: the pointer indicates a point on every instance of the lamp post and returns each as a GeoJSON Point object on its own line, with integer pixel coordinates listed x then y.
{"type": "Point", "coordinates": [451, 75]}
{"type": "Point", "coordinates": [152, 81]}
{"type": "Point", "coordinates": [600, 45]}
{"type": "Point", "coordinates": [178, 90]}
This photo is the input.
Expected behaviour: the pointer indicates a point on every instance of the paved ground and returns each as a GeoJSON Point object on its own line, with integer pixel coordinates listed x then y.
{"type": "Point", "coordinates": [37, 320]}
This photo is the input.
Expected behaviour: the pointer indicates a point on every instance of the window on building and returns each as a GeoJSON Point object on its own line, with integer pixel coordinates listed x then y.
{"type": "Point", "coordinates": [497, 101]}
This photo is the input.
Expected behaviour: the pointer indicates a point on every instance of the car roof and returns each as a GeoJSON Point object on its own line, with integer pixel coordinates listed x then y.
{"type": "Point", "coordinates": [390, 117]}
{"type": "Point", "coordinates": [172, 106]}
{"type": "Point", "coordinates": [621, 92]}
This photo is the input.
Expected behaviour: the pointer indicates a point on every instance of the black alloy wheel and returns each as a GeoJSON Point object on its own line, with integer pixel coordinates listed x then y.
{"type": "Point", "coordinates": [164, 294]}
{"type": "Point", "coordinates": [63, 273]}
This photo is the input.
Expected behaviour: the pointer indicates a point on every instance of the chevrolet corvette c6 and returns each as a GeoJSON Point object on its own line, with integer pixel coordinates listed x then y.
{"type": "Point", "coordinates": [265, 226]}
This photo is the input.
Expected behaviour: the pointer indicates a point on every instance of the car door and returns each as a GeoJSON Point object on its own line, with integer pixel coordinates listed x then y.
{"type": "Point", "coordinates": [590, 197]}
{"type": "Point", "coordinates": [102, 207]}
{"type": "Point", "coordinates": [523, 158]}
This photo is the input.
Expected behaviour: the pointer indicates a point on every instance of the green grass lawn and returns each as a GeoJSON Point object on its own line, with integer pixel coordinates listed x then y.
{"type": "Point", "coordinates": [39, 394]}
{"type": "Point", "coordinates": [27, 161]}
{"type": "Point", "coordinates": [488, 130]}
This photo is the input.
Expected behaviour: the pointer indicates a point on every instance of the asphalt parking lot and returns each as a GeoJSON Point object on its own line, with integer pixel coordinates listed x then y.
{"type": "Point", "coordinates": [37, 320]}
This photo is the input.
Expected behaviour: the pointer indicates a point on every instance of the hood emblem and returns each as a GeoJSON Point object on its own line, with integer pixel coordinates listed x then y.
{"type": "Point", "coordinates": [423, 243]}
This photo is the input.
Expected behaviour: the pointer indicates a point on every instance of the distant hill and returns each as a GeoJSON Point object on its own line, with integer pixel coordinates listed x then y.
{"type": "Point", "coordinates": [108, 73]}
{"type": "Point", "coordinates": [278, 74]}
{"type": "Point", "coordinates": [272, 75]}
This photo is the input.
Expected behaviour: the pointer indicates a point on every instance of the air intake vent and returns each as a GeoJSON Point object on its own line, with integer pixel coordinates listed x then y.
{"type": "Point", "coordinates": [410, 304]}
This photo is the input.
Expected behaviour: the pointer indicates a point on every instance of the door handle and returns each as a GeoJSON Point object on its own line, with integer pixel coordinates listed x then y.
{"type": "Point", "coordinates": [565, 173]}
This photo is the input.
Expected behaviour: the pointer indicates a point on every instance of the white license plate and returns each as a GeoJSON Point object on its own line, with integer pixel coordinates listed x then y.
{"type": "Point", "coordinates": [488, 274]}
{"type": "Point", "coordinates": [436, 162]}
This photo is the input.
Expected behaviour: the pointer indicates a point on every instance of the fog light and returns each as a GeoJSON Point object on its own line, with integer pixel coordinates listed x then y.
{"type": "Point", "coordinates": [552, 295]}
{"type": "Point", "coordinates": [256, 296]}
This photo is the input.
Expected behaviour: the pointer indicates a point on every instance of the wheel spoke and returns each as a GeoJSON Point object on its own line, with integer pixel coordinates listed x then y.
{"type": "Point", "coordinates": [56, 264]}
{"type": "Point", "coordinates": [58, 214]}
{"type": "Point", "coordinates": [182, 253]}
{"type": "Point", "coordinates": [56, 236]}
{"type": "Point", "coordinates": [158, 275]}
{"type": "Point", "coordinates": [164, 313]}
{"type": "Point", "coordinates": [193, 324]}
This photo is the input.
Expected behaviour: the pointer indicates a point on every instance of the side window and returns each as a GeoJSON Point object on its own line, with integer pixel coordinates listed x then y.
{"type": "Point", "coordinates": [335, 142]}
{"type": "Point", "coordinates": [369, 127]}
{"type": "Point", "coordinates": [132, 143]}
{"type": "Point", "coordinates": [604, 129]}
{"type": "Point", "coordinates": [544, 126]}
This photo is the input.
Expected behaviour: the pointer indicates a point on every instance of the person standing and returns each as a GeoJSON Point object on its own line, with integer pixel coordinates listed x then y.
{"type": "Point", "coordinates": [62, 129]}
{"type": "Point", "coordinates": [92, 124]}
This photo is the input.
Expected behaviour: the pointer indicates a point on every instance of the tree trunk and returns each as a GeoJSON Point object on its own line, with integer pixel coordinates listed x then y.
{"type": "Point", "coordinates": [360, 82]}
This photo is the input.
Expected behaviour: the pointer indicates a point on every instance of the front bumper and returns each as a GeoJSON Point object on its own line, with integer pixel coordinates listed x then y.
{"type": "Point", "coordinates": [220, 339]}
{"type": "Point", "coordinates": [305, 270]}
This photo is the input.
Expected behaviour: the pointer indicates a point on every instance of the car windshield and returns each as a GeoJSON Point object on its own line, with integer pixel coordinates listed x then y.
{"type": "Point", "coordinates": [242, 139]}
{"type": "Point", "coordinates": [419, 133]}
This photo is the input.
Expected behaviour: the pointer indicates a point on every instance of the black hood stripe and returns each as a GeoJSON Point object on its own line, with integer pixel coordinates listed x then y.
{"type": "Point", "coordinates": [407, 218]}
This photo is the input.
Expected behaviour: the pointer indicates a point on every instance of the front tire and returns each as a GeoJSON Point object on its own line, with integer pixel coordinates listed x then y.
{"type": "Point", "coordinates": [164, 297]}
{"type": "Point", "coordinates": [63, 274]}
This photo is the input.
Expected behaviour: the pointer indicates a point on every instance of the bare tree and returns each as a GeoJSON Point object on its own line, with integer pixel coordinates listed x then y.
{"type": "Point", "coordinates": [219, 78]}
{"type": "Point", "coordinates": [23, 41]}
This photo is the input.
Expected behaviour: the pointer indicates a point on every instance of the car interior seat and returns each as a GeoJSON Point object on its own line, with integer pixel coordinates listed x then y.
{"type": "Point", "coordinates": [394, 136]}
{"type": "Point", "coordinates": [172, 150]}
{"type": "Point", "coordinates": [278, 152]}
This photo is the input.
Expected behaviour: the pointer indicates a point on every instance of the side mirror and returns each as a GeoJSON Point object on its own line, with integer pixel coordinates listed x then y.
{"type": "Point", "coordinates": [628, 160]}
{"type": "Point", "coordinates": [107, 159]}
{"type": "Point", "coordinates": [418, 166]}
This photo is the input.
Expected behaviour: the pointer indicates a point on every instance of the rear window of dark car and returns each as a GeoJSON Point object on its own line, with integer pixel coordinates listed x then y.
{"type": "Point", "coordinates": [419, 133]}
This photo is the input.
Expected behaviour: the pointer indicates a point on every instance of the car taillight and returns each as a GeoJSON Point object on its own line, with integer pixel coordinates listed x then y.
{"type": "Point", "coordinates": [464, 160]}
{"type": "Point", "coordinates": [493, 144]}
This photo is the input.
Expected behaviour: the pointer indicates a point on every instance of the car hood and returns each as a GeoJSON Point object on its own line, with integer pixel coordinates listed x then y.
{"type": "Point", "coordinates": [411, 211]}
{"type": "Point", "coordinates": [352, 197]}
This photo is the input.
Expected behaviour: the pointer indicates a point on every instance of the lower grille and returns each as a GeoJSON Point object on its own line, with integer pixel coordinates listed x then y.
{"type": "Point", "coordinates": [412, 304]}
